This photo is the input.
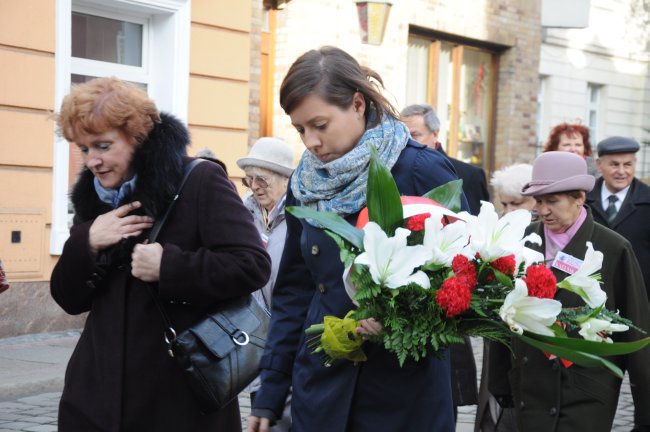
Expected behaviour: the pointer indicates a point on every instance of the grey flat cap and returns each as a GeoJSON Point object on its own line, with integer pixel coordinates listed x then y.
{"type": "Point", "coordinates": [617, 144]}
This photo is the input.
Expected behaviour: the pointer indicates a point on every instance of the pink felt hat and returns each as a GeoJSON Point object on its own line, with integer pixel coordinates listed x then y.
{"type": "Point", "coordinates": [558, 171]}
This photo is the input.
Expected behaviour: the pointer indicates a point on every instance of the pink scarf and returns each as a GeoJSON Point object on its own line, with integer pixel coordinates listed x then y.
{"type": "Point", "coordinates": [555, 242]}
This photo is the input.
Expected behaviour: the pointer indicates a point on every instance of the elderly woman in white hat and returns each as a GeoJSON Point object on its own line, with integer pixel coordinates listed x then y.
{"type": "Point", "coordinates": [548, 394]}
{"type": "Point", "coordinates": [267, 167]}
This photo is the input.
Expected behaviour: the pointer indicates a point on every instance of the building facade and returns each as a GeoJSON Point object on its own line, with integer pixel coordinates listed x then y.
{"type": "Point", "coordinates": [474, 61]}
{"type": "Point", "coordinates": [600, 75]}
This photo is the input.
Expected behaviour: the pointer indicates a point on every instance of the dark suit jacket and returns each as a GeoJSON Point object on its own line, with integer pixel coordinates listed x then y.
{"type": "Point", "coordinates": [631, 221]}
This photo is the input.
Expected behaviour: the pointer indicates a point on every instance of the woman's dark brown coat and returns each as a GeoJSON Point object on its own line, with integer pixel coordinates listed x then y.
{"type": "Point", "coordinates": [120, 377]}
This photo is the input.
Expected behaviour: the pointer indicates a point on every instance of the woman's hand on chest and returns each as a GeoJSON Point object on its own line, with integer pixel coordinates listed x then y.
{"type": "Point", "coordinates": [111, 227]}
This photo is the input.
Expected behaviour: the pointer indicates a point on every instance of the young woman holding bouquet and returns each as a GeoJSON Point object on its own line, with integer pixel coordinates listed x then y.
{"type": "Point", "coordinates": [550, 394]}
{"type": "Point", "coordinates": [337, 108]}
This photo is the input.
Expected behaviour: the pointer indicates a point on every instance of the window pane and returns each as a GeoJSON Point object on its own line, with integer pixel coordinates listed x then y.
{"type": "Point", "coordinates": [593, 94]}
{"type": "Point", "coordinates": [79, 79]}
{"type": "Point", "coordinates": [475, 106]}
{"type": "Point", "coordinates": [417, 71]}
{"type": "Point", "coordinates": [105, 39]}
{"type": "Point", "coordinates": [445, 87]}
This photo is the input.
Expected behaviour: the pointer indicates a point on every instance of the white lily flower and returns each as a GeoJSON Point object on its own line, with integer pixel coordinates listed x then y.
{"type": "Point", "coordinates": [533, 314]}
{"type": "Point", "coordinates": [494, 238]}
{"type": "Point", "coordinates": [444, 242]}
{"type": "Point", "coordinates": [529, 257]}
{"type": "Point", "coordinates": [390, 261]}
{"type": "Point", "coordinates": [593, 329]}
{"type": "Point", "coordinates": [583, 282]}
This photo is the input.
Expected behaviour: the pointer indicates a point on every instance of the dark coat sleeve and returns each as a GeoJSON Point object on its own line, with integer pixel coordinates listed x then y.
{"type": "Point", "coordinates": [474, 184]}
{"type": "Point", "coordinates": [630, 300]}
{"type": "Point", "coordinates": [294, 290]}
{"type": "Point", "coordinates": [78, 275]}
{"type": "Point", "coordinates": [230, 260]}
{"type": "Point", "coordinates": [431, 169]}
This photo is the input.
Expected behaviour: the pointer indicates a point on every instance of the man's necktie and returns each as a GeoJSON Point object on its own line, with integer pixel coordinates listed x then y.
{"type": "Point", "coordinates": [611, 208]}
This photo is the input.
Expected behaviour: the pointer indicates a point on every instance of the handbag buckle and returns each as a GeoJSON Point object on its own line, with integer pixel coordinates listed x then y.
{"type": "Point", "coordinates": [170, 337]}
{"type": "Point", "coordinates": [238, 335]}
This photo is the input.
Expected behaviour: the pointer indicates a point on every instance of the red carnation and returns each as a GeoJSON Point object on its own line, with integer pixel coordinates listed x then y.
{"type": "Point", "coordinates": [454, 296]}
{"type": "Point", "coordinates": [464, 270]}
{"type": "Point", "coordinates": [541, 281]}
{"type": "Point", "coordinates": [505, 265]}
{"type": "Point", "coordinates": [416, 223]}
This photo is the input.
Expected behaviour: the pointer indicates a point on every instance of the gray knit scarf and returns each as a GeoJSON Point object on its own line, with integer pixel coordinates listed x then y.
{"type": "Point", "coordinates": [340, 185]}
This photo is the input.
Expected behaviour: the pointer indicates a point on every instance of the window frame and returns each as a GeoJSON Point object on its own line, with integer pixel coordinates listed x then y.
{"type": "Point", "coordinates": [140, 74]}
{"type": "Point", "coordinates": [168, 34]}
{"type": "Point", "coordinates": [452, 118]}
{"type": "Point", "coordinates": [594, 107]}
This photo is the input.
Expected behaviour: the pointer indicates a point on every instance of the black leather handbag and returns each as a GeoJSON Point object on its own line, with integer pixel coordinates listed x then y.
{"type": "Point", "coordinates": [220, 354]}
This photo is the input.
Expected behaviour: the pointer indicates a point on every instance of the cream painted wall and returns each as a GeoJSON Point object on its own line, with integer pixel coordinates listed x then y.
{"type": "Point", "coordinates": [220, 78]}
{"type": "Point", "coordinates": [26, 99]}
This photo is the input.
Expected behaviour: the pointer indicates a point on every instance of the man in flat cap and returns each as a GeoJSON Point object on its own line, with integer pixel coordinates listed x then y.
{"type": "Point", "coordinates": [620, 201]}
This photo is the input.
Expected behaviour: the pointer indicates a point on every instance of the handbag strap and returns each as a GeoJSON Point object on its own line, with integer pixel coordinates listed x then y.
{"type": "Point", "coordinates": [153, 234]}
{"type": "Point", "coordinates": [169, 333]}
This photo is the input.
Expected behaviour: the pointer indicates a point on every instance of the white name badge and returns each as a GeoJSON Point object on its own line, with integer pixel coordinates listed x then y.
{"type": "Point", "coordinates": [567, 263]}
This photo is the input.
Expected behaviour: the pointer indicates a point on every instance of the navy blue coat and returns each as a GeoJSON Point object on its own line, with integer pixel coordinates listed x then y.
{"type": "Point", "coordinates": [376, 395]}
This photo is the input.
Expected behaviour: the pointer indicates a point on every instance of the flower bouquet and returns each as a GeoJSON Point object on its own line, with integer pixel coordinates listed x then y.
{"type": "Point", "coordinates": [431, 276]}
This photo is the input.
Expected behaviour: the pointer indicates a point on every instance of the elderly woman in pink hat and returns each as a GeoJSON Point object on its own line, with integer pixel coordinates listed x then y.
{"type": "Point", "coordinates": [549, 394]}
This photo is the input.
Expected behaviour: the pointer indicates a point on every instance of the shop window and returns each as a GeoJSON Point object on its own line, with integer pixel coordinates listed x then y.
{"type": "Point", "coordinates": [459, 81]}
{"type": "Point", "coordinates": [144, 42]}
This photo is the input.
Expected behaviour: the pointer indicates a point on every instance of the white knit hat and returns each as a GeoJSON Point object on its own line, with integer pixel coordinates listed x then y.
{"type": "Point", "coordinates": [272, 154]}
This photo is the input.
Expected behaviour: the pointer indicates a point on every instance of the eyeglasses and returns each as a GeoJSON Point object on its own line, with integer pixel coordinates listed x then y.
{"type": "Point", "coordinates": [248, 182]}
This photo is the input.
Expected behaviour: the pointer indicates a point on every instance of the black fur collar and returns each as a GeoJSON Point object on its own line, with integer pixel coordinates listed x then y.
{"type": "Point", "coordinates": [158, 162]}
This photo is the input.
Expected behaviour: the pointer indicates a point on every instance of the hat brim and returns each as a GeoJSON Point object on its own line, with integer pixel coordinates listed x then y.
{"type": "Point", "coordinates": [584, 182]}
{"type": "Point", "coordinates": [259, 163]}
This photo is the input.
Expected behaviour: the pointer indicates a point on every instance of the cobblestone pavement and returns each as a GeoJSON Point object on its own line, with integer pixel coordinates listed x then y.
{"type": "Point", "coordinates": [38, 413]}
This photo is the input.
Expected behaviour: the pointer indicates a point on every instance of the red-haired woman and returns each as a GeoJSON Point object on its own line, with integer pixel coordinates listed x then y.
{"type": "Point", "coordinates": [572, 138]}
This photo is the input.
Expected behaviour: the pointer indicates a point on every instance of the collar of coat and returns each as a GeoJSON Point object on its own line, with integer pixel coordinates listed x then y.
{"type": "Point", "coordinates": [158, 162]}
{"type": "Point", "coordinates": [576, 247]}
